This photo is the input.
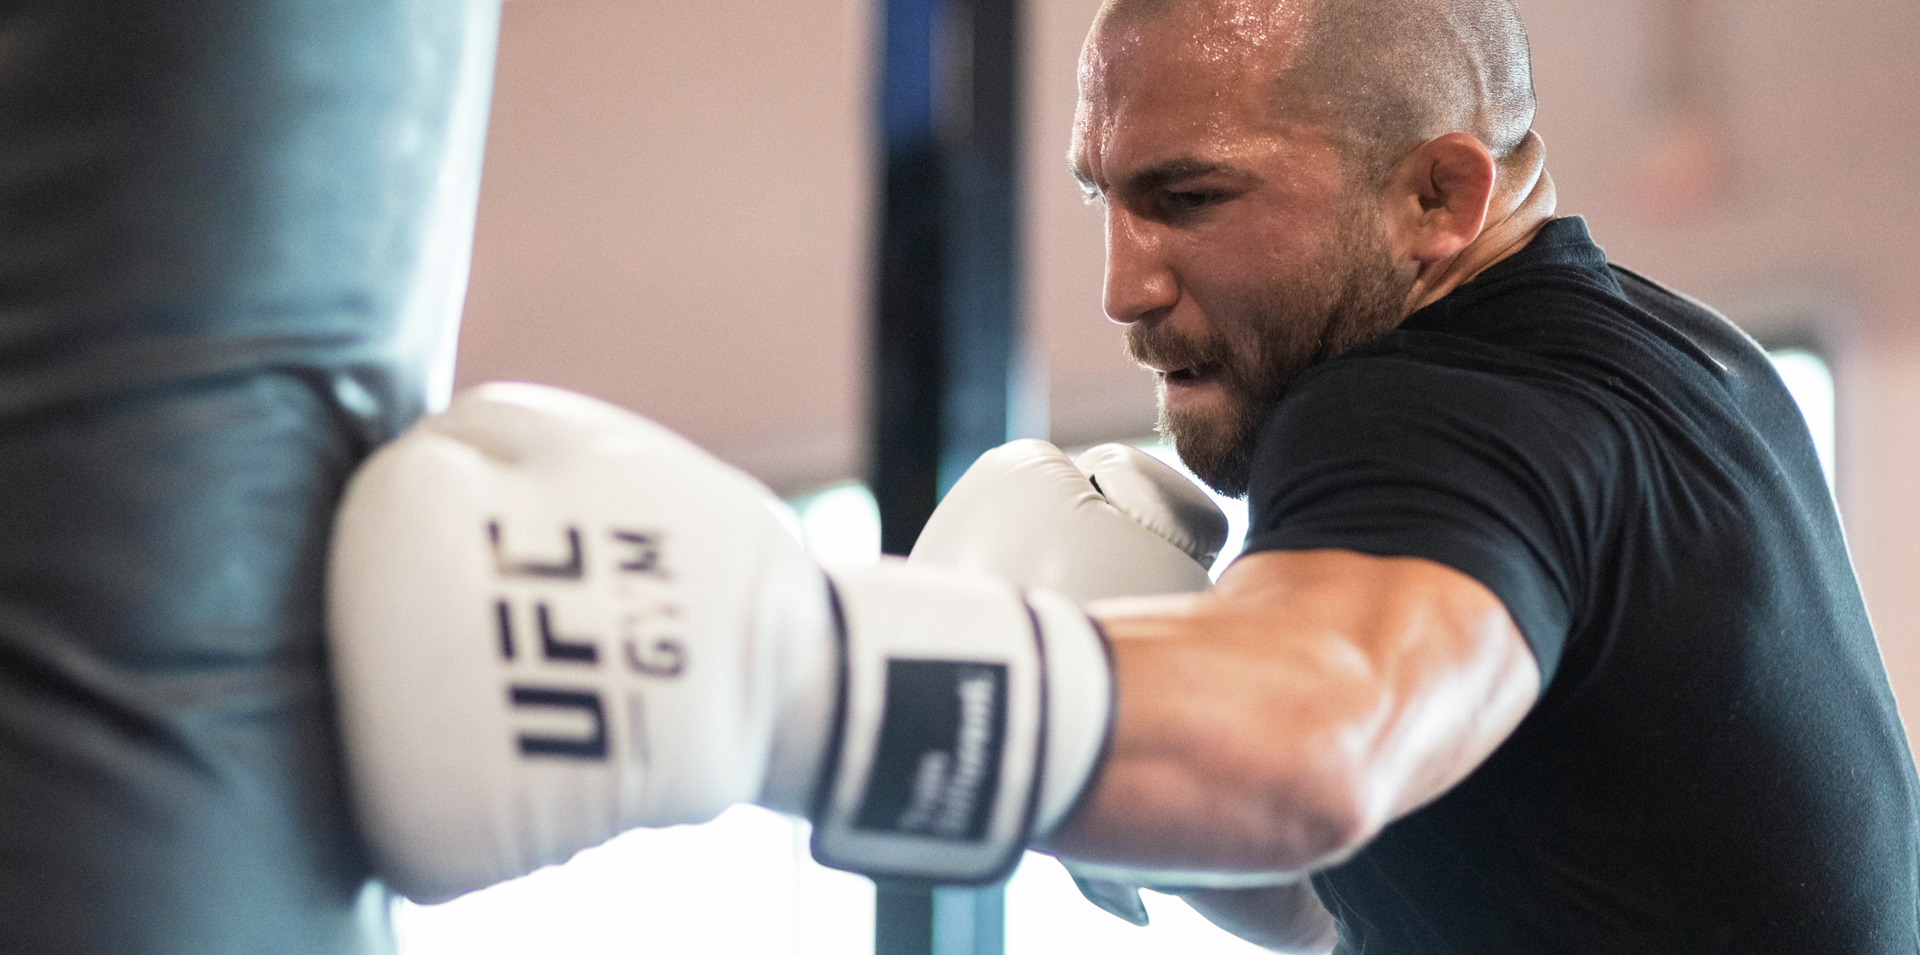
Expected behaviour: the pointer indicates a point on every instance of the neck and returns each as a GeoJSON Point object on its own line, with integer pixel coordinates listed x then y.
{"type": "Point", "coordinates": [1521, 205]}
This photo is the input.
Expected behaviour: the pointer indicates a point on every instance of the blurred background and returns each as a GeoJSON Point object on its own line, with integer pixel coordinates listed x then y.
{"type": "Point", "coordinates": [681, 210]}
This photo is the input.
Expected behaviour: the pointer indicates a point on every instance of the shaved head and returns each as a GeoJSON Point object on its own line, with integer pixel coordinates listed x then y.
{"type": "Point", "coordinates": [1382, 76]}
{"type": "Point", "coordinates": [1284, 180]}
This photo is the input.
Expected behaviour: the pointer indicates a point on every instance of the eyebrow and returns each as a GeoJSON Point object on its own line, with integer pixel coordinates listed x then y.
{"type": "Point", "coordinates": [1164, 174]}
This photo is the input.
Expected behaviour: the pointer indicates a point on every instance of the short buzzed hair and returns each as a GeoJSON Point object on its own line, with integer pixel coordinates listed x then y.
{"type": "Point", "coordinates": [1397, 73]}
{"type": "Point", "coordinates": [1391, 74]}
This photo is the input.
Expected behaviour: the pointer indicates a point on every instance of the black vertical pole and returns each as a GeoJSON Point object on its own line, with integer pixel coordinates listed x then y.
{"type": "Point", "coordinates": [946, 327]}
{"type": "Point", "coordinates": [981, 296]}
{"type": "Point", "coordinates": [909, 368]}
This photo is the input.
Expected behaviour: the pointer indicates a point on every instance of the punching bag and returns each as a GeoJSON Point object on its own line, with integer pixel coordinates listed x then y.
{"type": "Point", "coordinates": [234, 237]}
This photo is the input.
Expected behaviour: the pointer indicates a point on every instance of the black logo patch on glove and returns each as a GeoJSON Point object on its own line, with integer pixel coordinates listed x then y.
{"type": "Point", "coordinates": [938, 765]}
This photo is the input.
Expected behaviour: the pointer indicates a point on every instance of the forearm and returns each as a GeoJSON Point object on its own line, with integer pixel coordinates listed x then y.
{"type": "Point", "coordinates": [1278, 723]}
{"type": "Point", "coordinates": [1211, 765]}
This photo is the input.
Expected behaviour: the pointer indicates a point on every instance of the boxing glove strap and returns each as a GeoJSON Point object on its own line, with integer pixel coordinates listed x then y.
{"type": "Point", "coordinates": [944, 729]}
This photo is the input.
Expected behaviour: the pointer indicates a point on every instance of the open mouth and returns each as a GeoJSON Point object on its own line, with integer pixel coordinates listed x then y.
{"type": "Point", "coordinates": [1192, 375]}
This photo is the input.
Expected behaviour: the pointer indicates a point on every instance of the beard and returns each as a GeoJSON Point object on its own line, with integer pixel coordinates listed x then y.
{"type": "Point", "coordinates": [1352, 298]}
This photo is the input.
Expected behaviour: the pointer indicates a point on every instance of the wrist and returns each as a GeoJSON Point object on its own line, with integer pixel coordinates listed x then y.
{"type": "Point", "coordinates": [971, 714]}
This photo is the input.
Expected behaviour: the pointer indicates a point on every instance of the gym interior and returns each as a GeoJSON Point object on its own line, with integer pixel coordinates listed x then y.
{"type": "Point", "coordinates": [681, 211]}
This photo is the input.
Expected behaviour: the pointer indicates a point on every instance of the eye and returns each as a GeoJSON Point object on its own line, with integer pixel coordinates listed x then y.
{"type": "Point", "coordinates": [1190, 200]}
{"type": "Point", "coordinates": [1181, 204]}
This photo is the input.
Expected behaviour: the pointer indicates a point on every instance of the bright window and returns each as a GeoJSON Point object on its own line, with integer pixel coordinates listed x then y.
{"type": "Point", "coordinates": [1811, 384]}
{"type": "Point", "coordinates": [841, 524]}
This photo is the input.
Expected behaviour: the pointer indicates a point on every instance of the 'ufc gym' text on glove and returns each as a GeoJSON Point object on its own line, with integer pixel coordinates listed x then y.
{"type": "Point", "coordinates": [552, 620]}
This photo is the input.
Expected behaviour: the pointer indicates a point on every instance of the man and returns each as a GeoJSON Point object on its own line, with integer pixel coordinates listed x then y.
{"type": "Point", "coordinates": [1546, 637]}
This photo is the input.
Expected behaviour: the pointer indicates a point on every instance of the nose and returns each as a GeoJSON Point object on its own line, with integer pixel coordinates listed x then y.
{"type": "Point", "coordinates": [1139, 282]}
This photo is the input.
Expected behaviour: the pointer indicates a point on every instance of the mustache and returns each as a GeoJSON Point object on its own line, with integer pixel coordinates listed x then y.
{"type": "Point", "coordinates": [1152, 344]}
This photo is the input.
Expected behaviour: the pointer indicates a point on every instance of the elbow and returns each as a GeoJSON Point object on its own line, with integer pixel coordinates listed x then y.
{"type": "Point", "coordinates": [1315, 800]}
{"type": "Point", "coordinates": [1284, 822]}
{"type": "Point", "coordinates": [1288, 802]}
{"type": "Point", "coordinates": [1321, 821]}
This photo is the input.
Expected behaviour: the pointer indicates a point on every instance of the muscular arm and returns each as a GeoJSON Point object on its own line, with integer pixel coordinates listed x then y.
{"type": "Point", "coordinates": [1280, 721]}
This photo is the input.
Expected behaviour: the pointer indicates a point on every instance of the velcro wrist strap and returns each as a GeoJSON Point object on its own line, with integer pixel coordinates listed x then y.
{"type": "Point", "coordinates": [943, 728]}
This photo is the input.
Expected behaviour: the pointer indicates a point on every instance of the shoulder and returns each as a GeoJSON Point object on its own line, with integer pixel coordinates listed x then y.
{"type": "Point", "coordinates": [1506, 478]}
{"type": "Point", "coordinates": [1404, 386]}
{"type": "Point", "coordinates": [1553, 348]}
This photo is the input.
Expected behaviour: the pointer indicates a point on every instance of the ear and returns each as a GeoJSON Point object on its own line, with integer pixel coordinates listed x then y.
{"type": "Point", "coordinates": [1438, 196]}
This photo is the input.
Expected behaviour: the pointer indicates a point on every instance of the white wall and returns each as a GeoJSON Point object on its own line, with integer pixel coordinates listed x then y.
{"type": "Point", "coordinates": [674, 216]}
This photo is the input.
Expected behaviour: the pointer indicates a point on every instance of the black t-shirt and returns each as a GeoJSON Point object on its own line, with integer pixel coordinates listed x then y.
{"type": "Point", "coordinates": [1715, 763]}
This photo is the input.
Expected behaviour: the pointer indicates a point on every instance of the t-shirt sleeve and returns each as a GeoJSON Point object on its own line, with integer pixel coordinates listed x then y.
{"type": "Point", "coordinates": [1503, 479]}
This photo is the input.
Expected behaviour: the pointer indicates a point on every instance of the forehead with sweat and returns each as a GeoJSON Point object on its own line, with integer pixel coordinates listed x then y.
{"type": "Point", "coordinates": [1381, 76]}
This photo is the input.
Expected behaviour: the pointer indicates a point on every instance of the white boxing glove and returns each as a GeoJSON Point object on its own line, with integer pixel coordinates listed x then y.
{"type": "Point", "coordinates": [551, 620]}
{"type": "Point", "coordinates": [1112, 522]}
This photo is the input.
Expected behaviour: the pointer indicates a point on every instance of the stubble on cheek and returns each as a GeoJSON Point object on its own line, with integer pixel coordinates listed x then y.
{"type": "Point", "coordinates": [1289, 328]}
{"type": "Point", "coordinates": [1252, 368]}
